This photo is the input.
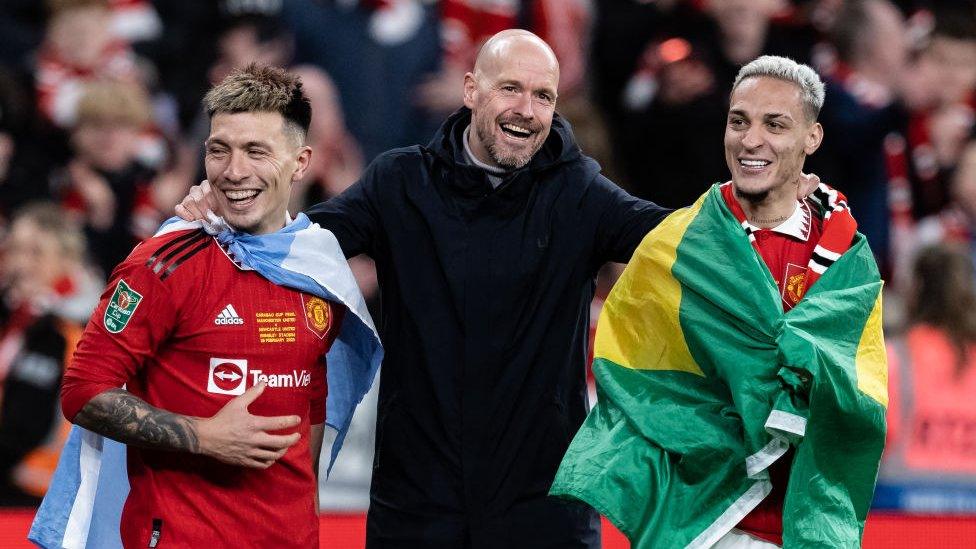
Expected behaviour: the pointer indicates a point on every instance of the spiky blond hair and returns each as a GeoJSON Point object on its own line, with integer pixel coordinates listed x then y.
{"type": "Point", "coordinates": [262, 88]}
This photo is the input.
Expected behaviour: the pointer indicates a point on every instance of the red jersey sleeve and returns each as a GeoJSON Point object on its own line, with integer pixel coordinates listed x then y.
{"type": "Point", "coordinates": [135, 315]}
{"type": "Point", "coordinates": [320, 384]}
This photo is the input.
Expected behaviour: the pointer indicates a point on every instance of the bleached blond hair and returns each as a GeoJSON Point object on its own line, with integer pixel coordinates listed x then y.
{"type": "Point", "coordinates": [788, 70]}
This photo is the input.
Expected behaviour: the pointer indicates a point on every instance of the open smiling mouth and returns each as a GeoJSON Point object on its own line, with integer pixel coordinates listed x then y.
{"type": "Point", "coordinates": [753, 165]}
{"type": "Point", "coordinates": [239, 198]}
{"type": "Point", "coordinates": [516, 131]}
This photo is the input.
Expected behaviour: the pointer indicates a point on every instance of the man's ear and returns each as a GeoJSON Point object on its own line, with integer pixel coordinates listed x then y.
{"type": "Point", "coordinates": [470, 89]}
{"type": "Point", "coordinates": [813, 139]}
{"type": "Point", "coordinates": [302, 161]}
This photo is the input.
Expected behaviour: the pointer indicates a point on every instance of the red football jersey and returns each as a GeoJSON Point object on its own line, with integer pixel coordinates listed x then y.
{"type": "Point", "coordinates": [786, 250]}
{"type": "Point", "coordinates": [187, 330]}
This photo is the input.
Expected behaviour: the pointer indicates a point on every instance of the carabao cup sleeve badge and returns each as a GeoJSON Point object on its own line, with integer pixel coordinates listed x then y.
{"type": "Point", "coordinates": [121, 306]}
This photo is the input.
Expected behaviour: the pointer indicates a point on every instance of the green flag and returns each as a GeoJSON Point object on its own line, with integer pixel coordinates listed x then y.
{"type": "Point", "coordinates": [704, 382]}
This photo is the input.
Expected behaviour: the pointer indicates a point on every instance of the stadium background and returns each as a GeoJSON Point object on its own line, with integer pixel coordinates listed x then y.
{"type": "Point", "coordinates": [100, 122]}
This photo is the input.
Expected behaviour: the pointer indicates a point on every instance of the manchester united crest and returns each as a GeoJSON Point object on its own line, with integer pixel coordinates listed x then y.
{"type": "Point", "coordinates": [317, 315]}
{"type": "Point", "coordinates": [796, 284]}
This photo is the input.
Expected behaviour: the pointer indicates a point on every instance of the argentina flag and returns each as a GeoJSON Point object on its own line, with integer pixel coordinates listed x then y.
{"type": "Point", "coordinates": [83, 505]}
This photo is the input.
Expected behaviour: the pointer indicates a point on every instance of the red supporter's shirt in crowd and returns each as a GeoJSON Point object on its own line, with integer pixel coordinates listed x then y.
{"type": "Point", "coordinates": [786, 250]}
{"type": "Point", "coordinates": [187, 330]}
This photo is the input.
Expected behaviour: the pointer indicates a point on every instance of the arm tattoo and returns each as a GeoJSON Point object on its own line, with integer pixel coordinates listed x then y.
{"type": "Point", "coordinates": [121, 416]}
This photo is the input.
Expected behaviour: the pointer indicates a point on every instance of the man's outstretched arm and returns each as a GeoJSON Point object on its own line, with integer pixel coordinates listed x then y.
{"type": "Point", "coordinates": [627, 219]}
{"type": "Point", "coordinates": [352, 216]}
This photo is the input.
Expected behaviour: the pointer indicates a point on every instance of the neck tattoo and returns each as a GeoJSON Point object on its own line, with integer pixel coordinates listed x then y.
{"type": "Point", "coordinates": [770, 220]}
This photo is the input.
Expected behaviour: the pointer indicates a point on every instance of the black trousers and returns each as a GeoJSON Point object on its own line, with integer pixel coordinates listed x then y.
{"type": "Point", "coordinates": [541, 523]}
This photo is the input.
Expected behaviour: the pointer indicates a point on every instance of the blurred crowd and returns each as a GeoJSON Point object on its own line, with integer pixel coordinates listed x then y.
{"type": "Point", "coordinates": [101, 134]}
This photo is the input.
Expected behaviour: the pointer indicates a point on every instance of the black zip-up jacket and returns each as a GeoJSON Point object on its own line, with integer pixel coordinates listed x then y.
{"type": "Point", "coordinates": [485, 297]}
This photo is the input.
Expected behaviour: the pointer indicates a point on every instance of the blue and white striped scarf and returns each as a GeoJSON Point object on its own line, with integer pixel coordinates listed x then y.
{"type": "Point", "coordinates": [83, 505]}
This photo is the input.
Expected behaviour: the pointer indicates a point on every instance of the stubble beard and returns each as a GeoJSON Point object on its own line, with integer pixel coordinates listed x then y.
{"type": "Point", "coordinates": [752, 197]}
{"type": "Point", "coordinates": [242, 222]}
{"type": "Point", "coordinates": [759, 197]}
{"type": "Point", "coordinates": [508, 162]}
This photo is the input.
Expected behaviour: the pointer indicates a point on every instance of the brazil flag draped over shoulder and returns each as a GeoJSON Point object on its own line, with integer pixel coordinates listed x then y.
{"type": "Point", "coordinates": [704, 381]}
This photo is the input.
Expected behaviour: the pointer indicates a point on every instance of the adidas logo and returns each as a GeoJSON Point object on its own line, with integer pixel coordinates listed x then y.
{"type": "Point", "coordinates": [228, 316]}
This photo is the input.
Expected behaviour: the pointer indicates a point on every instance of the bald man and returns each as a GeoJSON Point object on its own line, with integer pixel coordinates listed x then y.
{"type": "Point", "coordinates": [487, 242]}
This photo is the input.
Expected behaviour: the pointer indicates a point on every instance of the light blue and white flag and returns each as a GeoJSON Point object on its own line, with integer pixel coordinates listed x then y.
{"type": "Point", "coordinates": [83, 505]}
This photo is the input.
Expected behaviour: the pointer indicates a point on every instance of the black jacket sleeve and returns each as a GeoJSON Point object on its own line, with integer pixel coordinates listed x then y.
{"type": "Point", "coordinates": [352, 216]}
{"type": "Point", "coordinates": [624, 222]}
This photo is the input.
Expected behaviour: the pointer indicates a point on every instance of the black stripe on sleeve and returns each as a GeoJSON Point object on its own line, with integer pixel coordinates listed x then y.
{"type": "Point", "coordinates": [162, 249]}
{"type": "Point", "coordinates": [179, 261]}
{"type": "Point", "coordinates": [197, 237]}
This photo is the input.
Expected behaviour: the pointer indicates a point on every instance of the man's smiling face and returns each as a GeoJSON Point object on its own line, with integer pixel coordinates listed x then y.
{"type": "Point", "coordinates": [512, 97]}
{"type": "Point", "coordinates": [767, 136]}
{"type": "Point", "coordinates": [251, 160]}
